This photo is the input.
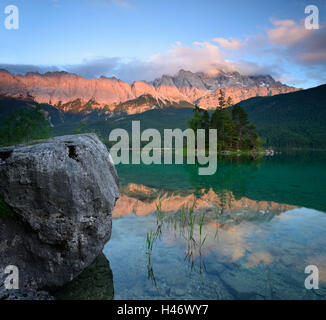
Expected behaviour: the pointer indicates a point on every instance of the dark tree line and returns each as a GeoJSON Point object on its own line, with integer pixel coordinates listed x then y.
{"type": "Point", "coordinates": [23, 125]}
{"type": "Point", "coordinates": [234, 131]}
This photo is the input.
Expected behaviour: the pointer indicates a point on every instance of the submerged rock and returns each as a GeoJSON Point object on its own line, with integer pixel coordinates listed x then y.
{"type": "Point", "coordinates": [62, 192]}
{"type": "Point", "coordinates": [94, 283]}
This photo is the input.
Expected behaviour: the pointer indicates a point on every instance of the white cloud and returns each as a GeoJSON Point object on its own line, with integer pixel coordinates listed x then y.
{"type": "Point", "coordinates": [231, 44]}
{"type": "Point", "coordinates": [285, 44]}
{"type": "Point", "coordinates": [294, 42]}
{"type": "Point", "coordinates": [200, 56]}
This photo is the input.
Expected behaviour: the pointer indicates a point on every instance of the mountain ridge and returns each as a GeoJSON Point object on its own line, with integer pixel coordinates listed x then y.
{"type": "Point", "coordinates": [62, 89]}
{"type": "Point", "coordinates": [292, 120]}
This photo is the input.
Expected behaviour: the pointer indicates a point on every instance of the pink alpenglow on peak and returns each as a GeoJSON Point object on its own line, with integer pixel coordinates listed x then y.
{"type": "Point", "coordinates": [61, 89]}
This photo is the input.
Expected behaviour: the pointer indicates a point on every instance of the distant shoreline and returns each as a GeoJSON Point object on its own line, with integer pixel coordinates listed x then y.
{"type": "Point", "coordinates": [269, 152]}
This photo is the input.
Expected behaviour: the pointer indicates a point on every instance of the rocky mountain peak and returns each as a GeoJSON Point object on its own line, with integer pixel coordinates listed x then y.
{"type": "Point", "coordinates": [215, 80]}
{"type": "Point", "coordinates": [63, 88]}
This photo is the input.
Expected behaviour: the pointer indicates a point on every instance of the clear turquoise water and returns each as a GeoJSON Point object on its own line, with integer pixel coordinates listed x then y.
{"type": "Point", "coordinates": [263, 223]}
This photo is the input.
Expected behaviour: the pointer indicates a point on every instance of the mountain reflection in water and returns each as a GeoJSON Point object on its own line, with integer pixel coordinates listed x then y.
{"type": "Point", "coordinates": [254, 228]}
{"type": "Point", "coordinates": [238, 248]}
{"type": "Point", "coordinates": [141, 201]}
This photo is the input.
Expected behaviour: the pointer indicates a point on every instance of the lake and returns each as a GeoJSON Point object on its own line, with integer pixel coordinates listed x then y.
{"type": "Point", "coordinates": [247, 232]}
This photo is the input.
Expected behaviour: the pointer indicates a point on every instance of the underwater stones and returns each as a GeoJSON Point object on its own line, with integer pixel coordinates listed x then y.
{"type": "Point", "coordinates": [94, 283]}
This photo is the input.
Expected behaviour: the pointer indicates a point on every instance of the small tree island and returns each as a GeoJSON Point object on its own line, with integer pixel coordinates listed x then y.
{"type": "Point", "coordinates": [235, 134]}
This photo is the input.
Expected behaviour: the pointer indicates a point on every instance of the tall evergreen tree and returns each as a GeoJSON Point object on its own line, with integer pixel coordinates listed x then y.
{"type": "Point", "coordinates": [245, 137]}
{"type": "Point", "coordinates": [196, 120]}
{"type": "Point", "coordinates": [229, 102]}
{"type": "Point", "coordinates": [221, 100]}
{"type": "Point", "coordinates": [234, 131]}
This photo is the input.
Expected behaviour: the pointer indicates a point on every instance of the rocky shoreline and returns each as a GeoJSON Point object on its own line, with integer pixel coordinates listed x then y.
{"type": "Point", "coordinates": [266, 152]}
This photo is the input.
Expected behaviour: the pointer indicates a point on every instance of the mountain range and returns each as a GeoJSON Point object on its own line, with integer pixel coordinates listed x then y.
{"type": "Point", "coordinates": [291, 120]}
{"type": "Point", "coordinates": [285, 116]}
{"type": "Point", "coordinates": [72, 93]}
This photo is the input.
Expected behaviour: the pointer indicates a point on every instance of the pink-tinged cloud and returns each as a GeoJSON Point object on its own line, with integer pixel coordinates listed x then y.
{"type": "Point", "coordinates": [286, 42]}
{"type": "Point", "coordinates": [313, 56]}
{"type": "Point", "coordinates": [197, 57]}
{"type": "Point", "coordinates": [287, 32]}
{"type": "Point", "coordinates": [231, 44]}
{"type": "Point", "coordinates": [297, 43]}
{"type": "Point", "coordinates": [200, 56]}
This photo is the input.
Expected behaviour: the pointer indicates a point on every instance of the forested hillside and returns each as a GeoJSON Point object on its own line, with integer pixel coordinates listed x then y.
{"type": "Point", "coordinates": [293, 120]}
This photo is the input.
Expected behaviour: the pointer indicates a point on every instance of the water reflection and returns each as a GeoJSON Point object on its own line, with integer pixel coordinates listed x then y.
{"type": "Point", "coordinates": [94, 283]}
{"type": "Point", "coordinates": [223, 247]}
{"type": "Point", "coordinates": [296, 178]}
{"type": "Point", "coordinates": [142, 201]}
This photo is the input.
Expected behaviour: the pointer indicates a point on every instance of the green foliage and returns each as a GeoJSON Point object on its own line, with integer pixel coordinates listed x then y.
{"type": "Point", "coordinates": [221, 121]}
{"type": "Point", "coordinates": [5, 210]}
{"type": "Point", "coordinates": [244, 136]}
{"type": "Point", "coordinates": [221, 99]}
{"type": "Point", "coordinates": [222, 103]}
{"type": "Point", "coordinates": [200, 120]}
{"type": "Point", "coordinates": [83, 128]}
{"type": "Point", "coordinates": [234, 132]}
{"type": "Point", "coordinates": [292, 120]}
{"type": "Point", "coordinates": [23, 125]}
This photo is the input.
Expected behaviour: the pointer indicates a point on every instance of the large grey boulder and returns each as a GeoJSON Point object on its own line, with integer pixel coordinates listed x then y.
{"type": "Point", "coordinates": [62, 192]}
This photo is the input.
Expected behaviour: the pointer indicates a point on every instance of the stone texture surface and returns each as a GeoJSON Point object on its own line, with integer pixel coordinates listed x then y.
{"type": "Point", "coordinates": [62, 192]}
{"type": "Point", "coordinates": [20, 294]}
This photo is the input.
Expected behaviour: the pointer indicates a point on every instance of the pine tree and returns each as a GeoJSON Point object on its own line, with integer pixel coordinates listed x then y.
{"type": "Point", "coordinates": [221, 100]}
{"type": "Point", "coordinates": [229, 102]}
{"type": "Point", "coordinates": [234, 130]}
{"type": "Point", "coordinates": [245, 137]}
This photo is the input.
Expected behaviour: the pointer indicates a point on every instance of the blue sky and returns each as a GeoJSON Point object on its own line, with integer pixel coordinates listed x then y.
{"type": "Point", "coordinates": [142, 39]}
